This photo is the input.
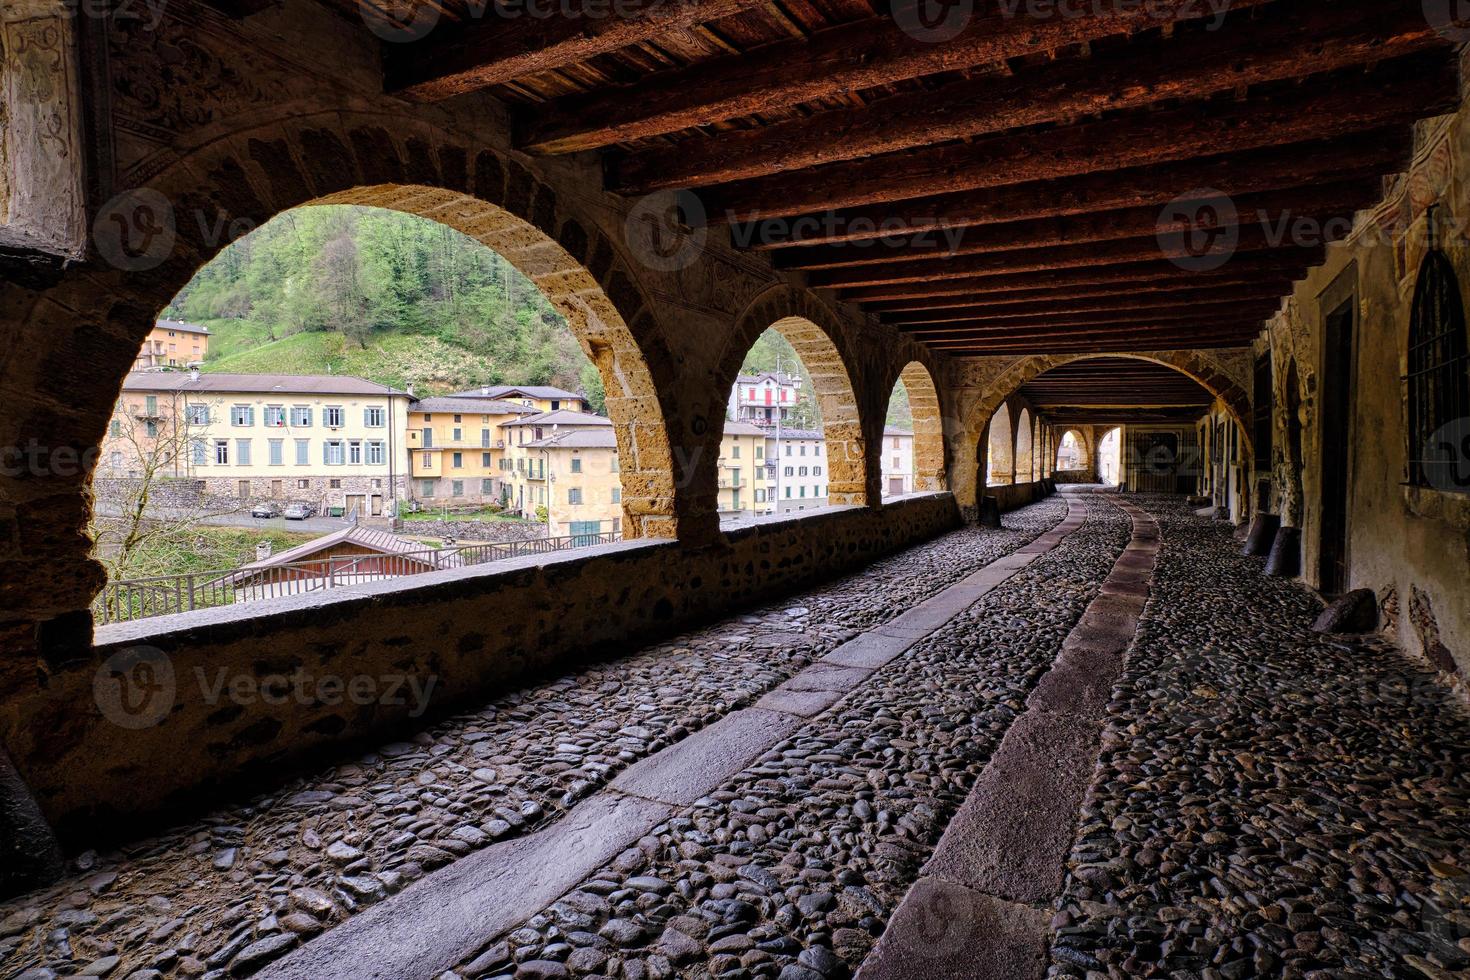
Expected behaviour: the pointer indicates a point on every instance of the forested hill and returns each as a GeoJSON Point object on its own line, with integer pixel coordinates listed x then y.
{"type": "Point", "coordinates": [380, 294]}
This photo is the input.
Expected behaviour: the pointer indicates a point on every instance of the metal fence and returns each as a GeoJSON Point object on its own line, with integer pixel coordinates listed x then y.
{"type": "Point", "coordinates": [163, 595]}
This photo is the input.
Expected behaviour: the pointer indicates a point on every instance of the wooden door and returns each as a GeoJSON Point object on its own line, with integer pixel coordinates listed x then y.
{"type": "Point", "coordinates": [1336, 415]}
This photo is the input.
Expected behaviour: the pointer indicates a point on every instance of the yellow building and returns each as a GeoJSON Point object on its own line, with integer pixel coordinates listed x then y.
{"type": "Point", "coordinates": [742, 469]}
{"type": "Point", "coordinates": [331, 440]}
{"type": "Point", "coordinates": [566, 462]}
{"type": "Point", "coordinates": [542, 398]}
{"type": "Point", "coordinates": [456, 447]}
{"type": "Point", "coordinates": [173, 344]}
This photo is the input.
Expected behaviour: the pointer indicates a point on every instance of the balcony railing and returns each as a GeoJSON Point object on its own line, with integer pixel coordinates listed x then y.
{"type": "Point", "coordinates": [164, 595]}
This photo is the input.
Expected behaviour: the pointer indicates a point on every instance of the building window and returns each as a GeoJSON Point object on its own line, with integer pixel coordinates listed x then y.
{"type": "Point", "coordinates": [760, 451]}
{"type": "Point", "coordinates": [816, 471]}
{"type": "Point", "coordinates": [332, 452]}
{"type": "Point", "coordinates": [242, 452]}
{"type": "Point", "coordinates": [1439, 378]}
{"type": "Point", "coordinates": [197, 414]}
{"type": "Point", "coordinates": [788, 449]}
{"type": "Point", "coordinates": [303, 452]}
{"type": "Point", "coordinates": [485, 460]}
{"type": "Point", "coordinates": [803, 449]}
{"type": "Point", "coordinates": [333, 416]}
{"type": "Point", "coordinates": [354, 452]}
{"type": "Point", "coordinates": [150, 405]}
{"type": "Point", "coordinates": [201, 451]}
{"type": "Point", "coordinates": [615, 467]}
{"type": "Point", "coordinates": [457, 419]}
{"type": "Point", "coordinates": [151, 427]}
{"type": "Point", "coordinates": [803, 492]}
{"type": "Point", "coordinates": [790, 471]}
{"type": "Point", "coordinates": [735, 451]}
{"type": "Point", "coordinates": [426, 488]}
{"type": "Point", "coordinates": [301, 415]}
{"type": "Point", "coordinates": [303, 484]}
{"type": "Point", "coordinates": [275, 416]}
{"type": "Point", "coordinates": [375, 452]}
{"type": "Point", "coordinates": [373, 417]}
{"type": "Point", "coordinates": [788, 493]}
{"type": "Point", "coordinates": [576, 464]}
{"type": "Point", "coordinates": [760, 496]}
{"type": "Point", "coordinates": [458, 434]}
{"type": "Point", "coordinates": [456, 488]}
{"type": "Point", "coordinates": [428, 461]}
{"type": "Point", "coordinates": [222, 452]}
{"type": "Point", "coordinates": [487, 487]}
{"type": "Point", "coordinates": [428, 436]}
{"type": "Point", "coordinates": [574, 495]}
{"type": "Point", "coordinates": [484, 438]}
{"type": "Point", "coordinates": [335, 484]}
{"type": "Point", "coordinates": [277, 452]}
{"type": "Point", "coordinates": [617, 495]}
{"type": "Point", "coordinates": [801, 471]}
{"type": "Point", "coordinates": [242, 415]}
{"type": "Point", "coordinates": [459, 461]}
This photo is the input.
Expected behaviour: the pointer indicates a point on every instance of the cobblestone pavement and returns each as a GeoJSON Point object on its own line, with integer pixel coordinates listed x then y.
{"type": "Point", "coordinates": [243, 885]}
{"type": "Point", "coordinates": [791, 868]}
{"type": "Point", "coordinates": [1271, 802]}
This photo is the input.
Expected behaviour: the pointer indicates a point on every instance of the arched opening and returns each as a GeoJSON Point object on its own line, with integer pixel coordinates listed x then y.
{"type": "Point", "coordinates": [408, 362]}
{"type": "Point", "coordinates": [778, 451]}
{"type": "Point", "coordinates": [1070, 453]}
{"type": "Point", "coordinates": [1438, 378]}
{"type": "Point", "coordinates": [896, 452]}
{"type": "Point", "coordinates": [999, 460]}
{"type": "Point", "coordinates": [916, 396]}
{"type": "Point", "coordinates": [1110, 457]}
{"type": "Point", "coordinates": [1025, 458]}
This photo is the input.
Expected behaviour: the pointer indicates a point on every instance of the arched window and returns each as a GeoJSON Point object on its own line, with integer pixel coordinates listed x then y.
{"type": "Point", "coordinates": [1439, 379]}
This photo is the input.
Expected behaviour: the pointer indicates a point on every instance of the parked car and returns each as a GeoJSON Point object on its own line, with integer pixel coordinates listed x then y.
{"type": "Point", "coordinates": [265, 510]}
{"type": "Point", "coordinates": [297, 512]}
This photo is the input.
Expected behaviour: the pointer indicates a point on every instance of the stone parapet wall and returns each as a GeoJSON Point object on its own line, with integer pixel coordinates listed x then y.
{"type": "Point", "coordinates": [497, 531]}
{"type": "Point", "coordinates": [475, 632]}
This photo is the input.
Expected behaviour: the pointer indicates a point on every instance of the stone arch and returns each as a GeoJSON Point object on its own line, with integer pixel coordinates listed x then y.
{"type": "Point", "coordinates": [1189, 363]}
{"type": "Point", "coordinates": [1100, 436]}
{"type": "Point", "coordinates": [1000, 447]}
{"type": "Point", "coordinates": [813, 332]}
{"type": "Point", "coordinates": [1025, 439]}
{"type": "Point", "coordinates": [237, 182]}
{"type": "Point", "coordinates": [1084, 451]}
{"type": "Point", "coordinates": [930, 471]}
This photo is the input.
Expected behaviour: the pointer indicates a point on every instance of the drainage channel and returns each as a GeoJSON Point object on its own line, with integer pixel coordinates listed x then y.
{"type": "Point", "coordinates": [981, 906]}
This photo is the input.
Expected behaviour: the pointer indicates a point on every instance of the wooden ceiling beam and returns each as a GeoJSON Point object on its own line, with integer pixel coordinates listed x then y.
{"type": "Point", "coordinates": [1083, 297]}
{"type": "Point", "coordinates": [833, 63]}
{"type": "Point", "coordinates": [1142, 274]}
{"type": "Point", "coordinates": [1336, 200]}
{"type": "Point", "coordinates": [458, 58]}
{"type": "Point", "coordinates": [1366, 154]}
{"type": "Point", "coordinates": [1129, 300]}
{"type": "Point", "coordinates": [1243, 315]}
{"type": "Point", "coordinates": [1249, 239]}
{"type": "Point", "coordinates": [1179, 336]}
{"type": "Point", "coordinates": [1291, 43]}
{"type": "Point", "coordinates": [1120, 312]}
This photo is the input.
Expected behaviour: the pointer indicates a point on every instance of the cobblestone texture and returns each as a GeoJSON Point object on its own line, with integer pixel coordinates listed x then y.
{"type": "Point", "coordinates": [791, 869]}
{"type": "Point", "coordinates": [240, 887]}
{"type": "Point", "coordinates": [1271, 802]}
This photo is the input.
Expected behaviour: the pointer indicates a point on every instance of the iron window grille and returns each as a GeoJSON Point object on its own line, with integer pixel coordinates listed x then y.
{"type": "Point", "coordinates": [1438, 378]}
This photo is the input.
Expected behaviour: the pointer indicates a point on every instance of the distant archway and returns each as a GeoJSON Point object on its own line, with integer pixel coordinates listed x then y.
{"type": "Point", "coordinates": [1025, 470]}
{"type": "Point", "coordinates": [929, 470]}
{"type": "Point", "coordinates": [1000, 455]}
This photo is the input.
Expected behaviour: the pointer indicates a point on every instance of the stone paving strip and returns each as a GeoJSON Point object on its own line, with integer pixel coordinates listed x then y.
{"type": "Point", "coordinates": [244, 884]}
{"type": "Point", "coordinates": [981, 907]}
{"type": "Point", "coordinates": [445, 920]}
{"type": "Point", "coordinates": [1271, 802]}
{"type": "Point", "coordinates": [790, 867]}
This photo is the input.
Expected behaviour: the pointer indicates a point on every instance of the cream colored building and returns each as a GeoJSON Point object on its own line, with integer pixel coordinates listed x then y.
{"type": "Point", "coordinates": [456, 448]}
{"type": "Point", "coordinates": [331, 440]}
{"type": "Point", "coordinates": [797, 477]}
{"type": "Point", "coordinates": [566, 462]}
{"type": "Point", "coordinates": [897, 462]}
{"type": "Point", "coordinates": [173, 344]}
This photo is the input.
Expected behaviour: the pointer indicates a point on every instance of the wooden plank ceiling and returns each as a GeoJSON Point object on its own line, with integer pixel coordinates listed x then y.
{"type": "Point", "coordinates": [1016, 188]}
{"type": "Point", "coordinates": [1115, 391]}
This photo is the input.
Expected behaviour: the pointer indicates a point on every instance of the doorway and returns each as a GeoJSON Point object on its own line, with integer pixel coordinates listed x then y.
{"type": "Point", "coordinates": [1336, 415]}
{"type": "Point", "coordinates": [895, 486]}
